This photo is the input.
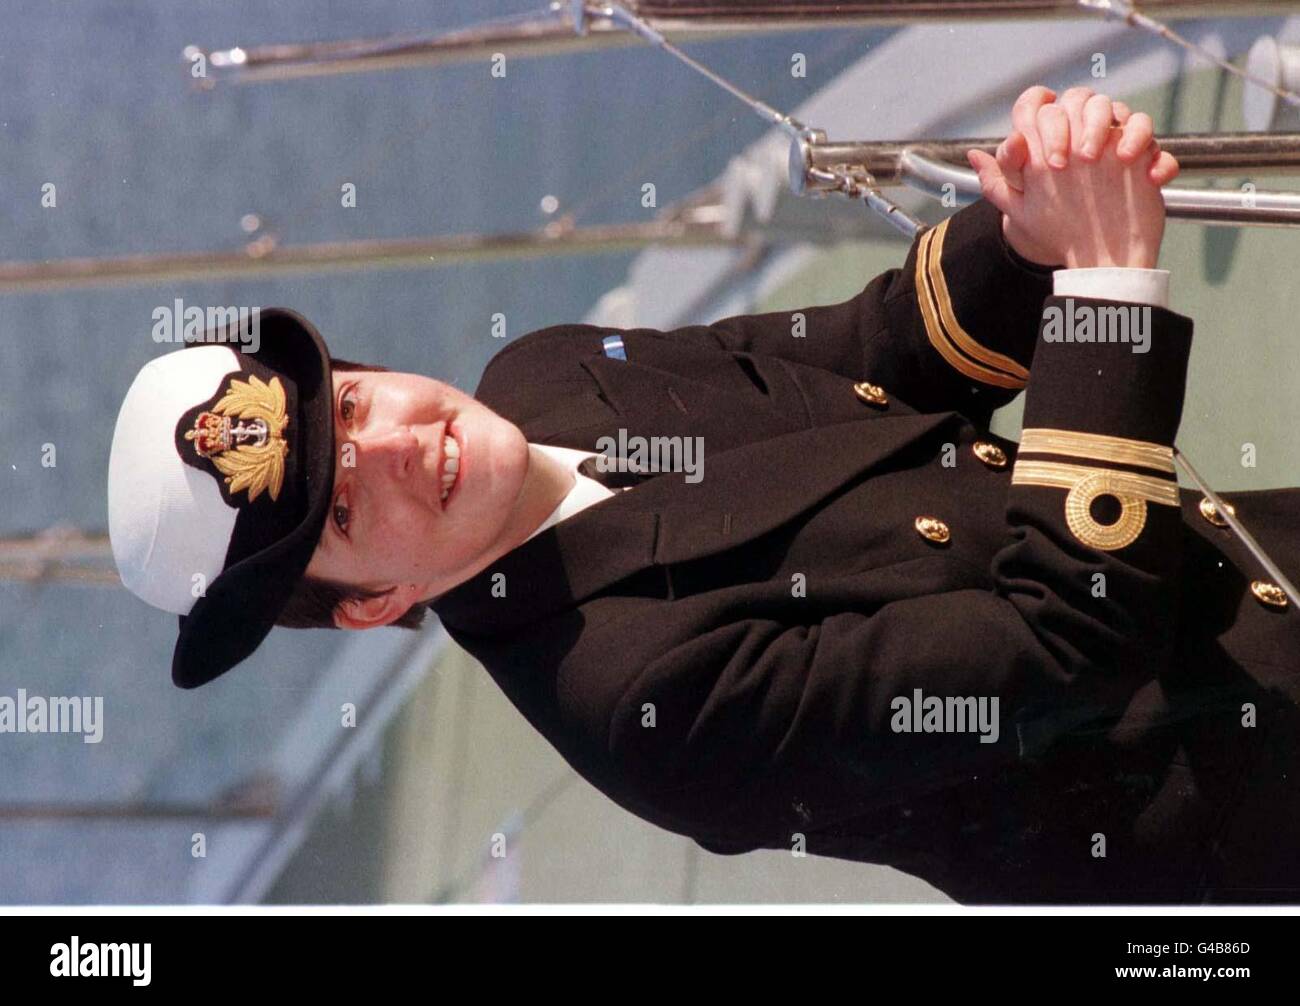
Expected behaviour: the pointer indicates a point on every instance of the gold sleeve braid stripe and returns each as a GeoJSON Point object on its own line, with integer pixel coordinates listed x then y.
{"type": "Point", "coordinates": [1063, 476]}
{"type": "Point", "coordinates": [953, 342]}
{"type": "Point", "coordinates": [1086, 484]}
{"type": "Point", "coordinates": [1098, 447]}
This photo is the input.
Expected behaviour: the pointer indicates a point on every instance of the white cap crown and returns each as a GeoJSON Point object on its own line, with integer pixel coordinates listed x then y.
{"type": "Point", "coordinates": [169, 526]}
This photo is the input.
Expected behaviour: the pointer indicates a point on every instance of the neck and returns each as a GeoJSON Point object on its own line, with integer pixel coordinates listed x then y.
{"type": "Point", "coordinates": [546, 483]}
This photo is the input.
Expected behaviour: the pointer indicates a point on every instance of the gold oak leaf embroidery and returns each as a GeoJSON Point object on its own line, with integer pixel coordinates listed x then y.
{"type": "Point", "coordinates": [253, 466]}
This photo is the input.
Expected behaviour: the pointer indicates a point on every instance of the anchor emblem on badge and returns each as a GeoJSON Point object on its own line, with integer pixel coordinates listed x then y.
{"type": "Point", "coordinates": [243, 436]}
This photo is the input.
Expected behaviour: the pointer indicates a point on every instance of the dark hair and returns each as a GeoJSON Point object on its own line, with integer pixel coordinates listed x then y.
{"type": "Point", "coordinates": [313, 601]}
{"type": "Point", "coordinates": [349, 365]}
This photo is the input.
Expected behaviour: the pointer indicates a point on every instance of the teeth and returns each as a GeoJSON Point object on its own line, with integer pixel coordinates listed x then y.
{"type": "Point", "coordinates": [450, 460]}
{"type": "Point", "coordinates": [450, 464]}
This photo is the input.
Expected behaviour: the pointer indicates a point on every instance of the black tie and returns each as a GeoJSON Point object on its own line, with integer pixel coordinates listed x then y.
{"type": "Point", "coordinates": [612, 477]}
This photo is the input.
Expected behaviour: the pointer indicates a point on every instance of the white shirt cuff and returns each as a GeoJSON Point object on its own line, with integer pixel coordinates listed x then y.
{"type": "Point", "coordinates": [1133, 286]}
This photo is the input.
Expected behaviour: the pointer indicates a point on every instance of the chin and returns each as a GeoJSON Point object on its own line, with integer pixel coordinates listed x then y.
{"type": "Point", "coordinates": [509, 454]}
{"type": "Point", "coordinates": [496, 463]}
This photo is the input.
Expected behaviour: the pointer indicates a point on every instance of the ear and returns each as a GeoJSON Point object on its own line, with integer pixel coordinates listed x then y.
{"type": "Point", "coordinates": [372, 612]}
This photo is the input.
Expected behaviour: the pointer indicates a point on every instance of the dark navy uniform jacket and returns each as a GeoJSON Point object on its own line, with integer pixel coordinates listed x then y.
{"type": "Point", "coordinates": [728, 659]}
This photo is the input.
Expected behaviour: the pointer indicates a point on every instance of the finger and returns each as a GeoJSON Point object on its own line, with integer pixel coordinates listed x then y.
{"type": "Point", "coordinates": [1138, 134]}
{"type": "Point", "coordinates": [1164, 169]}
{"type": "Point", "coordinates": [993, 186]}
{"type": "Point", "coordinates": [1097, 119]}
{"type": "Point", "coordinates": [1012, 156]}
{"type": "Point", "coordinates": [1024, 113]}
{"type": "Point", "coordinates": [1073, 101]}
{"type": "Point", "coordinates": [1054, 134]}
{"type": "Point", "coordinates": [1121, 111]}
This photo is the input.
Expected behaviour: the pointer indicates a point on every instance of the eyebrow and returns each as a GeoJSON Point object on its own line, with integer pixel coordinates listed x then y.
{"type": "Point", "coordinates": [331, 529]}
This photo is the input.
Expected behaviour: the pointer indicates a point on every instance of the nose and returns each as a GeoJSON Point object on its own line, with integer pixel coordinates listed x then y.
{"type": "Point", "coordinates": [394, 451]}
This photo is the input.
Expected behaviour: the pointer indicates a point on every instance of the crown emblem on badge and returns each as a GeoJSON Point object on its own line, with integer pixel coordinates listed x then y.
{"type": "Point", "coordinates": [243, 436]}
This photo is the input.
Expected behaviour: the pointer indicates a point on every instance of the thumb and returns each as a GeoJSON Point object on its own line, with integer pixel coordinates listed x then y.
{"type": "Point", "coordinates": [993, 185]}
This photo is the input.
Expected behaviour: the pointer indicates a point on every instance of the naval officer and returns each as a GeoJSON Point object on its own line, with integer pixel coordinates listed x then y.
{"type": "Point", "coordinates": [742, 658]}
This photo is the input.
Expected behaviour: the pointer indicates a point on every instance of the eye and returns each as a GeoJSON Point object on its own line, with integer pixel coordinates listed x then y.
{"type": "Point", "coordinates": [342, 515]}
{"type": "Point", "coordinates": [347, 404]}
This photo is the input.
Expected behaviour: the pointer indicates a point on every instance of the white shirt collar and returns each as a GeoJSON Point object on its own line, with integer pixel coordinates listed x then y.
{"type": "Point", "coordinates": [585, 492]}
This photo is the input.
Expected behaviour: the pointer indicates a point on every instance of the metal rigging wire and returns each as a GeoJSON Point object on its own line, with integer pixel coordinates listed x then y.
{"type": "Point", "coordinates": [856, 187]}
{"type": "Point", "coordinates": [1124, 11]}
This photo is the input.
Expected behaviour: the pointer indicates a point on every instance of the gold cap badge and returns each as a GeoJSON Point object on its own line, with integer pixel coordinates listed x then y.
{"type": "Point", "coordinates": [249, 453]}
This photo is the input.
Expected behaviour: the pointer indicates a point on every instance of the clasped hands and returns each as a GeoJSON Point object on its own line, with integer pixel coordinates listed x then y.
{"type": "Point", "coordinates": [1078, 181]}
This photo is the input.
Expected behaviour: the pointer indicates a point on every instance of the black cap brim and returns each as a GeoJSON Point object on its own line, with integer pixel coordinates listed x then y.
{"type": "Point", "coordinates": [240, 607]}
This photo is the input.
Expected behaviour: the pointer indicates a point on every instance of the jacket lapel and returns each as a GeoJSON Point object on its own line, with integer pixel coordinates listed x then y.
{"type": "Point", "coordinates": [745, 492]}
{"type": "Point", "coordinates": [651, 401]}
{"type": "Point", "coordinates": [757, 487]}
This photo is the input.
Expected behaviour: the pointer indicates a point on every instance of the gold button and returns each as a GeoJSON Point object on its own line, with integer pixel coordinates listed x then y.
{"type": "Point", "coordinates": [932, 529]}
{"type": "Point", "coordinates": [991, 454]}
{"type": "Point", "coordinates": [1268, 593]}
{"type": "Point", "coordinates": [872, 394]}
{"type": "Point", "coordinates": [1211, 513]}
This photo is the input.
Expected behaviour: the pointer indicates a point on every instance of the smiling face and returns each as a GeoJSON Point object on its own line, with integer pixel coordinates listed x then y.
{"type": "Point", "coordinates": [389, 527]}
